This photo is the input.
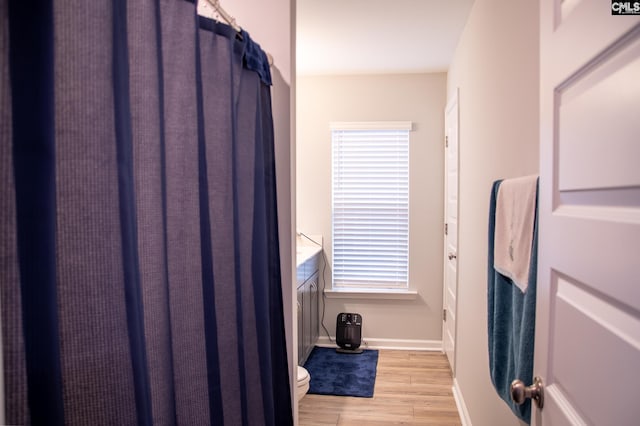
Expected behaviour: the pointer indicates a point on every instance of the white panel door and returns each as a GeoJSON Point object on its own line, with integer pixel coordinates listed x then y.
{"type": "Point", "coordinates": [588, 303]}
{"type": "Point", "coordinates": [450, 291]}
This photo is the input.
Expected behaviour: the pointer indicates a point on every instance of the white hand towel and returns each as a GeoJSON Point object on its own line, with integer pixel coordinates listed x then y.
{"type": "Point", "coordinates": [515, 214]}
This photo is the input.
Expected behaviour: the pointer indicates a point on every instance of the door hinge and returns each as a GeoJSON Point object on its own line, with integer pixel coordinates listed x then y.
{"type": "Point", "coordinates": [446, 141]}
{"type": "Point", "coordinates": [446, 229]}
{"type": "Point", "coordinates": [444, 315]}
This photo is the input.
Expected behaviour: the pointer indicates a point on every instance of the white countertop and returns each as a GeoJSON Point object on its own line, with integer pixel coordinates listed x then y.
{"type": "Point", "coordinates": [306, 249]}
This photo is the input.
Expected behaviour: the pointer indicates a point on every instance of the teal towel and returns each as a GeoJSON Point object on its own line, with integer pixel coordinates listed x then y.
{"type": "Point", "coordinates": [511, 318]}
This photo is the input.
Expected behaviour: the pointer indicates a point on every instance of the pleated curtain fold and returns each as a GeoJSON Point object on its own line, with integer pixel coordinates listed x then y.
{"type": "Point", "coordinates": [139, 254]}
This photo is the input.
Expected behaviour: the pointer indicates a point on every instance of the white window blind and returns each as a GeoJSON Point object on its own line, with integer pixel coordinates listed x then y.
{"type": "Point", "coordinates": [370, 204]}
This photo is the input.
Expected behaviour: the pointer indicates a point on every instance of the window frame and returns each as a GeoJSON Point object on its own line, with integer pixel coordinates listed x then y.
{"type": "Point", "coordinates": [384, 285]}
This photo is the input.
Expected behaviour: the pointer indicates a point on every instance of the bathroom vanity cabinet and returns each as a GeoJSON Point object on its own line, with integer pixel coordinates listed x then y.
{"type": "Point", "coordinates": [308, 294]}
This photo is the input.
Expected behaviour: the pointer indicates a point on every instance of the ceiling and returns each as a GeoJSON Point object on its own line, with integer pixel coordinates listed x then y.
{"type": "Point", "coordinates": [378, 36]}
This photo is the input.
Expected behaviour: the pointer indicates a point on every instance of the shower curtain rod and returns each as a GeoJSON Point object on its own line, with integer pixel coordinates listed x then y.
{"type": "Point", "coordinates": [223, 13]}
{"type": "Point", "coordinates": [232, 22]}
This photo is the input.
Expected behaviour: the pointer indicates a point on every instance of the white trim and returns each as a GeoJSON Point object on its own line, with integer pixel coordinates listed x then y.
{"type": "Point", "coordinates": [371, 294]}
{"type": "Point", "coordinates": [371, 125]}
{"type": "Point", "coordinates": [380, 343]}
{"type": "Point", "coordinates": [452, 105]}
{"type": "Point", "coordinates": [462, 407]}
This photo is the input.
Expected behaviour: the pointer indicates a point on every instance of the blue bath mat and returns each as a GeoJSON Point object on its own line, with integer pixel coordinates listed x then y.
{"type": "Point", "coordinates": [333, 373]}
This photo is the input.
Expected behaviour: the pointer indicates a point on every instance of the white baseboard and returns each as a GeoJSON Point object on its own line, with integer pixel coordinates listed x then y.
{"type": "Point", "coordinates": [400, 344]}
{"type": "Point", "coordinates": [462, 407]}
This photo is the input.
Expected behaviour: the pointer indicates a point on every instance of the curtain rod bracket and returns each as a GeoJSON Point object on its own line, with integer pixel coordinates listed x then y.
{"type": "Point", "coordinates": [223, 13]}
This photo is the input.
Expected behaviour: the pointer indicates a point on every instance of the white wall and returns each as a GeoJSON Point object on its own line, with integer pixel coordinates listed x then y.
{"type": "Point", "coordinates": [496, 68]}
{"type": "Point", "coordinates": [272, 25]}
{"type": "Point", "coordinates": [419, 98]}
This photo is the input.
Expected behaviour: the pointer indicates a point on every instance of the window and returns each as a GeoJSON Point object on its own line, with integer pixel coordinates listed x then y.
{"type": "Point", "coordinates": [370, 205]}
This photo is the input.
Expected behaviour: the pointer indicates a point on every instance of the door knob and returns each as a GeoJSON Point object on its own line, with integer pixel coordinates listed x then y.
{"type": "Point", "coordinates": [452, 256]}
{"type": "Point", "coordinates": [520, 392]}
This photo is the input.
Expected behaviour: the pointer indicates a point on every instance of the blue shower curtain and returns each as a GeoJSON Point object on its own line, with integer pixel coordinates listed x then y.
{"type": "Point", "coordinates": [139, 254]}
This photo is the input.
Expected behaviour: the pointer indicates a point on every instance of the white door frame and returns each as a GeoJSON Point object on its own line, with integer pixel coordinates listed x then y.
{"type": "Point", "coordinates": [450, 240]}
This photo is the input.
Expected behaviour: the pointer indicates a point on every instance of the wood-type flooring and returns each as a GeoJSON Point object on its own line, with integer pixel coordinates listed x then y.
{"type": "Point", "coordinates": [412, 388]}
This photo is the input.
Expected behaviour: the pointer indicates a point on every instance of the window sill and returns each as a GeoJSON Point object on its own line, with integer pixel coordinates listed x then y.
{"type": "Point", "coordinates": [371, 294]}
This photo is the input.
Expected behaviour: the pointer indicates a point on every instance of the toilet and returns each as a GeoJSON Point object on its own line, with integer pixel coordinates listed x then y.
{"type": "Point", "coordinates": [303, 382]}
